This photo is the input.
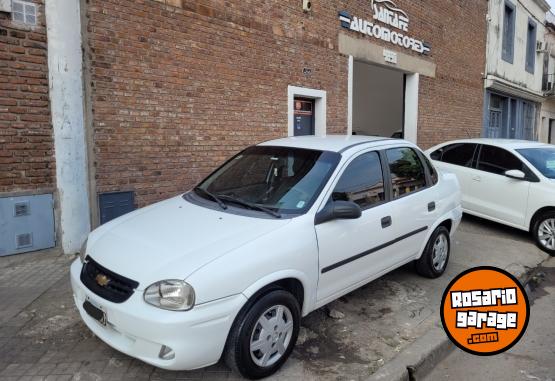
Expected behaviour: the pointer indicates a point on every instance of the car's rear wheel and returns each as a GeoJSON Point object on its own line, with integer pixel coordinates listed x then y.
{"type": "Point", "coordinates": [263, 336]}
{"type": "Point", "coordinates": [434, 259]}
{"type": "Point", "coordinates": [544, 232]}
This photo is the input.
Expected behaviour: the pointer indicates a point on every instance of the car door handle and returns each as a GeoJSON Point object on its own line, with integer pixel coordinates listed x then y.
{"type": "Point", "coordinates": [477, 178]}
{"type": "Point", "coordinates": [431, 206]}
{"type": "Point", "coordinates": [386, 222]}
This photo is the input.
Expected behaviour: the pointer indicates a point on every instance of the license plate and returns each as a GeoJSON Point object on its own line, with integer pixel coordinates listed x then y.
{"type": "Point", "coordinates": [95, 312]}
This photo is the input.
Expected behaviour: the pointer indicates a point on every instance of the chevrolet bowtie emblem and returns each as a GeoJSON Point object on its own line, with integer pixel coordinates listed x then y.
{"type": "Point", "coordinates": [102, 280]}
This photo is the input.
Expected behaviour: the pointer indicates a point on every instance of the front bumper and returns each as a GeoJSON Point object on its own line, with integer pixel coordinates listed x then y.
{"type": "Point", "coordinates": [140, 330]}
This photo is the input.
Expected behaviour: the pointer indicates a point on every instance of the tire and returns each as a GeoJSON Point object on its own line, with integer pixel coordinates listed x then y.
{"type": "Point", "coordinates": [434, 259]}
{"type": "Point", "coordinates": [544, 232]}
{"type": "Point", "coordinates": [247, 327]}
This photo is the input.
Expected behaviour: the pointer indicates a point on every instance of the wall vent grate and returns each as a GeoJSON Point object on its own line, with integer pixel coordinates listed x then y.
{"type": "Point", "coordinates": [21, 209]}
{"type": "Point", "coordinates": [23, 240]}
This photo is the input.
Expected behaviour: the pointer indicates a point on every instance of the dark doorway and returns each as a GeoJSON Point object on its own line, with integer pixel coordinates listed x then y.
{"type": "Point", "coordinates": [378, 101]}
{"type": "Point", "coordinates": [551, 138]}
{"type": "Point", "coordinates": [304, 116]}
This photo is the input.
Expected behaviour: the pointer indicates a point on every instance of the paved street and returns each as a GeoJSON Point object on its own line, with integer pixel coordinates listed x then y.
{"type": "Point", "coordinates": [42, 337]}
{"type": "Point", "coordinates": [533, 358]}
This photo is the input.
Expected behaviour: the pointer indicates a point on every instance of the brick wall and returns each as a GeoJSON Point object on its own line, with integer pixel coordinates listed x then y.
{"type": "Point", "coordinates": [177, 86]}
{"type": "Point", "coordinates": [26, 142]}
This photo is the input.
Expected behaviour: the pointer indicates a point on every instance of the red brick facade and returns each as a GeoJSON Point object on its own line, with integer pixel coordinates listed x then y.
{"type": "Point", "coordinates": [26, 142]}
{"type": "Point", "coordinates": [177, 88]}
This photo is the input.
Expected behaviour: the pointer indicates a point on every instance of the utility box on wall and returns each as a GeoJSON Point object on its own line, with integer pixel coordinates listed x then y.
{"type": "Point", "coordinates": [114, 205]}
{"type": "Point", "coordinates": [26, 224]}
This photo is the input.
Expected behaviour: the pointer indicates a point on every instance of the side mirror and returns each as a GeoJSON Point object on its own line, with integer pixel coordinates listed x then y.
{"type": "Point", "coordinates": [338, 210]}
{"type": "Point", "coordinates": [516, 174]}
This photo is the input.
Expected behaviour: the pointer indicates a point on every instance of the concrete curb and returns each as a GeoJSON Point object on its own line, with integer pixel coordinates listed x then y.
{"type": "Point", "coordinates": [420, 357]}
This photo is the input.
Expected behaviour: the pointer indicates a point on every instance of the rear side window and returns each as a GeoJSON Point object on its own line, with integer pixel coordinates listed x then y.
{"type": "Point", "coordinates": [407, 171]}
{"type": "Point", "coordinates": [362, 182]}
{"type": "Point", "coordinates": [457, 154]}
{"type": "Point", "coordinates": [497, 160]}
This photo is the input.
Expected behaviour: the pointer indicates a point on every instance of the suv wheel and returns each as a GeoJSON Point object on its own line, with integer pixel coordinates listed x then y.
{"type": "Point", "coordinates": [263, 336]}
{"type": "Point", "coordinates": [434, 259]}
{"type": "Point", "coordinates": [544, 232]}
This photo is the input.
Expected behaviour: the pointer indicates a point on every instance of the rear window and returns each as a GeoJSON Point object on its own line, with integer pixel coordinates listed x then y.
{"type": "Point", "coordinates": [457, 154]}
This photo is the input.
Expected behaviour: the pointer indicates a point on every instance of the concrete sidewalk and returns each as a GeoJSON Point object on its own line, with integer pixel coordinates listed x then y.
{"type": "Point", "coordinates": [532, 358]}
{"type": "Point", "coordinates": [374, 330]}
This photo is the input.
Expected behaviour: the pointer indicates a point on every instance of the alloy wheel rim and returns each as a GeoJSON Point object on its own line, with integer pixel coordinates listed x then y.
{"type": "Point", "coordinates": [546, 233]}
{"type": "Point", "coordinates": [271, 336]}
{"type": "Point", "coordinates": [440, 252]}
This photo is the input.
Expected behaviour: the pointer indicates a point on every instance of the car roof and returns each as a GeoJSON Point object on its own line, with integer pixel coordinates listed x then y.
{"type": "Point", "coordinates": [505, 143]}
{"type": "Point", "coordinates": [333, 143]}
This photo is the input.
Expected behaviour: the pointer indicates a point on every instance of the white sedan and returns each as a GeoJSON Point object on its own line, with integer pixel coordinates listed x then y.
{"type": "Point", "coordinates": [279, 230]}
{"type": "Point", "coordinates": [507, 181]}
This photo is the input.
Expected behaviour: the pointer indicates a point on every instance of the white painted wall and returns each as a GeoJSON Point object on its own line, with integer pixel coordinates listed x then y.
{"type": "Point", "coordinates": [411, 107]}
{"type": "Point", "coordinates": [66, 96]}
{"type": "Point", "coordinates": [515, 74]}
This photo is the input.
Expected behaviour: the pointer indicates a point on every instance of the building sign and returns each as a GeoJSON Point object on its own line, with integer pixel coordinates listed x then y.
{"type": "Point", "coordinates": [389, 24]}
{"type": "Point", "coordinates": [390, 56]}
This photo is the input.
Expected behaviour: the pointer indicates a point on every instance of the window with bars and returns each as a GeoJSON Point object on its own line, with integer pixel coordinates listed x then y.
{"type": "Point", "coordinates": [510, 118]}
{"type": "Point", "coordinates": [495, 116]}
{"type": "Point", "coordinates": [529, 111]}
{"type": "Point", "coordinates": [24, 12]}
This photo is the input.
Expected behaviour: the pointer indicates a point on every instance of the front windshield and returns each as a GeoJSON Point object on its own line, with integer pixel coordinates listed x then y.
{"type": "Point", "coordinates": [541, 158]}
{"type": "Point", "coordinates": [282, 179]}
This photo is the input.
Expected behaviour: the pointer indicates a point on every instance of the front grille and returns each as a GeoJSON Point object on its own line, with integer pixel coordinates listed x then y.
{"type": "Point", "coordinates": [113, 287]}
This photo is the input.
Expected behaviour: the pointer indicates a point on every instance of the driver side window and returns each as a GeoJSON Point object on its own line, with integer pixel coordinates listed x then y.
{"type": "Point", "coordinates": [497, 160]}
{"type": "Point", "coordinates": [362, 182]}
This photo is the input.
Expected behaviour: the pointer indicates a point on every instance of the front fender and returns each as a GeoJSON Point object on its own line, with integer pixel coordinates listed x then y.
{"type": "Point", "coordinates": [309, 294]}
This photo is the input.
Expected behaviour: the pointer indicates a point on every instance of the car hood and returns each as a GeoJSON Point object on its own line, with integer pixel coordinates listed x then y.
{"type": "Point", "coordinates": [172, 239]}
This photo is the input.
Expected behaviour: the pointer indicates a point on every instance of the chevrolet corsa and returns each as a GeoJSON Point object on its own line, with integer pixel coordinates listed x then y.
{"type": "Point", "coordinates": [281, 229]}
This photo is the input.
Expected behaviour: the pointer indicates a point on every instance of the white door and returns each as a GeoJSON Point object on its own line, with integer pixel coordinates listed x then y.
{"type": "Point", "coordinates": [413, 206]}
{"type": "Point", "coordinates": [458, 159]}
{"type": "Point", "coordinates": [499, 197]}
{"type": "Point", "coordinates": [350, 250]}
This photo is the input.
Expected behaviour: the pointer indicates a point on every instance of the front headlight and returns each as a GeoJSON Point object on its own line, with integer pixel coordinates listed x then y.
{"type": "Point", "coordinates": [174, 295]}
{"type": "Point", "coordinates": [83, 251]}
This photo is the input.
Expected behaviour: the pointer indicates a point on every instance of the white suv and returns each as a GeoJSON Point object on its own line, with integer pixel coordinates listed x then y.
{"type": "Point", "coordinates": [278, 231]}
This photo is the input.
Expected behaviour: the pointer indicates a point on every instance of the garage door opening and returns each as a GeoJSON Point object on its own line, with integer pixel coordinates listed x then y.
{"type": "Point", "coordinates": [378, 101]}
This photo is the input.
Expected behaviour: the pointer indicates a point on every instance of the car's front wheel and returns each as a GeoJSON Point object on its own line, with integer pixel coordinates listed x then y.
{"type": "Point", "coordinates": [434, 259]}
{"type": "Point", "coordinates": [544, 232]}
{"type": "Point", "coordinates": [263, 336]}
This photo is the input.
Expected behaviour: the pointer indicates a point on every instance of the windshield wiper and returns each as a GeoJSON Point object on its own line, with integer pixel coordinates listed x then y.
{"type": "Point", "coordinates": [249, 205]}
{"type": "Point", "coordinates": [212, 196]}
